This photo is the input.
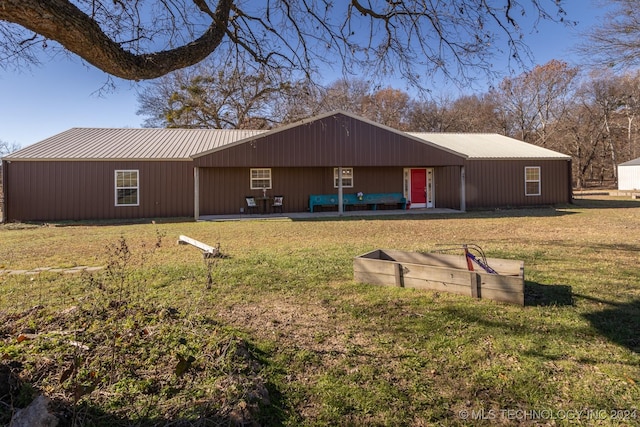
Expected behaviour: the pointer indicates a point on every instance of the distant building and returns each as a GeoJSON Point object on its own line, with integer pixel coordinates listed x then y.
{"type": "Point", "coordinates": [629, 175]}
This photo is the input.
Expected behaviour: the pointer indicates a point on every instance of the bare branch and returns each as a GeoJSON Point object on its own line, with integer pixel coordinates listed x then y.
{"type": "Point", "coordinates": [413, 39]}
{"type": "Point", "coordinates": [615, 42]}
{"type": "Point", "coordinates": [79, 33]}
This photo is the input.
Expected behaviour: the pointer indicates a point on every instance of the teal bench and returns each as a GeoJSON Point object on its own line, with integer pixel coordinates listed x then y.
{"type": "Point", "coordinates": [372, 200]}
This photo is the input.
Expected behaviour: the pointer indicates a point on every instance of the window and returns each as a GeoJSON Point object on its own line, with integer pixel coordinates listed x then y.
{"type": "Point", "coordinates": [347, 177]}
{"type": "Point", "coordinates": [260, 178]}
{"type": "Point", "coordinates": [532, 181]}
{"type": "Point", "coordinates": [127, 186]}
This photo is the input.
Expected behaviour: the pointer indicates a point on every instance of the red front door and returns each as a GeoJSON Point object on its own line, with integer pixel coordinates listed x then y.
{"type": "Point", "coordinates": [418, 186]}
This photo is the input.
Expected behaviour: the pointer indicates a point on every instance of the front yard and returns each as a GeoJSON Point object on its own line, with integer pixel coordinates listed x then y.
{"type": "Point", "coordinates": [277, 333]}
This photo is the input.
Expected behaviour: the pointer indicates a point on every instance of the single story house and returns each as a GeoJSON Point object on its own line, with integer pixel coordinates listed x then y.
{"type": "Point", "coordinates": [629, 175]}
{"type": "Point", "coordinates": [84, 173]}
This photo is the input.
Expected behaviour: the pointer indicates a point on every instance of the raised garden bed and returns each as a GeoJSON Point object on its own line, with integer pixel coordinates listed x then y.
{"type": "Point", "coordinates": [442, 272]}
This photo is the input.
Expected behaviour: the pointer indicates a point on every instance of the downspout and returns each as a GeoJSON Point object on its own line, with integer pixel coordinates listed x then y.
{"type": "Point", "coordinates": [463, 190]}
{"type": "Point", "coordinates": [570, 183]}
{"type": "Point", "coordinates": [5, 205]}
{"type": "Point", "coordinates": [340, 206]}
{"type": "Point", "coordinates": [196, 193]}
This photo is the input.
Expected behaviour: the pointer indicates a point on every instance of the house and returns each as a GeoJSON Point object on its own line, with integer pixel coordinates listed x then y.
{"type": "Point", "coordinates": [149, 173]}
{"type": "Point", "coordinates": [629, 175]}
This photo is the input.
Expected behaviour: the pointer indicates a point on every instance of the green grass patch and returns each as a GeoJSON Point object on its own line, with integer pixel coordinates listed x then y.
{"type": "Point", "coordinates": [277, 333]}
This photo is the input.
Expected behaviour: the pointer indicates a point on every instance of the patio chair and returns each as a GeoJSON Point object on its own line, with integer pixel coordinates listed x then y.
{"type": "Point", "coordinates": [252, 207]}
{"type": "Point", "coordinates": [277, 203]}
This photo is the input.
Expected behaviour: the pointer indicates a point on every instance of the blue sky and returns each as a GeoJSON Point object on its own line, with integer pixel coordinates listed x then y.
{"type": "Point", "coordinates": [65, 92]}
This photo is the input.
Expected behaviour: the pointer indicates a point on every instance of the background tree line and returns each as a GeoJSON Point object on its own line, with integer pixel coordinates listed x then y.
{"type": "Point", "coordinates": [592, 116]}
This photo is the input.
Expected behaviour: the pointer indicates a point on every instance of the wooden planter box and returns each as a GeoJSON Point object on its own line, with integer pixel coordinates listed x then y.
{"type": "Point", "coordinates": [440, 272]}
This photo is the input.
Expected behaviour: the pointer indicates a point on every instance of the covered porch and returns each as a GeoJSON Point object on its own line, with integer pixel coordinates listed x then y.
{"type": "Point", "coordinates": [308, 216]}
{"type": "Point", "coordinates": [332, 154]}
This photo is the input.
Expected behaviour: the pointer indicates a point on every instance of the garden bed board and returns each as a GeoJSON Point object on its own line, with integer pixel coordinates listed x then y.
{"type": "Point", "coordinates": [442, 272]}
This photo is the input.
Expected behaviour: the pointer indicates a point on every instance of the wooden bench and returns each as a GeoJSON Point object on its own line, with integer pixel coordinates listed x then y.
{"type": "Point", "coordinates": [372, 200]}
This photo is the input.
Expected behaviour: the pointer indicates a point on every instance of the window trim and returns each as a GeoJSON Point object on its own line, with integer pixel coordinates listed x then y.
{"type": "Point", "coordinates": [527, 181]}
{"type": "Point", "coordinates": [116, 187]}
{"type": "Point", "coordinates": [252, 179]}
{"type": "Point", "coordinates": [335, 178]}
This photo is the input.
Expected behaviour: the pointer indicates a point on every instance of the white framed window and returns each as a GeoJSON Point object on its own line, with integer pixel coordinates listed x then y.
{"type": "Point", "coordinates": [260, 178]}
{"type": "Point", "coordinates": [127, 188]}
{"type": "Point", "coordinates": [347, 177]}
{"type": "Point", "coordinates": [532, 181]}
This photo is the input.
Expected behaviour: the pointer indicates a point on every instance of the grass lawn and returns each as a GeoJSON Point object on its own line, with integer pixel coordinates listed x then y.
{"type": "Point", "coordinates": [277, 332]}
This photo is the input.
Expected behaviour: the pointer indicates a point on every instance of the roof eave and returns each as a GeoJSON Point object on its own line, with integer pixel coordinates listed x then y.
{"type": "Point", "coordinates": [520, 158]}
{"type": "Point", "coordinates": [95, 159]}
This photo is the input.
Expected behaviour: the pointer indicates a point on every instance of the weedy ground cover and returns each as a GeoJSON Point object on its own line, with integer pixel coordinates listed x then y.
{"type": "Point", "coordinates": [277, 333]}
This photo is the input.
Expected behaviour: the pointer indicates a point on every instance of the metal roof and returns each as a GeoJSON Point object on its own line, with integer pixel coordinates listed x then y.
{"type": "Point", "coordinates": [130, 144]}
{"type": "Point", "coordinates": [634, 162]}
{"type": "Point", "coordinates": [185, 144]}
{"type": "Point", "coordinates": [488, 146]}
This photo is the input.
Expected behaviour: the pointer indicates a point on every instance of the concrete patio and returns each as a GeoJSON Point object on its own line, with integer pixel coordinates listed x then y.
{"type": "Point", "coordinates": [297, 216]}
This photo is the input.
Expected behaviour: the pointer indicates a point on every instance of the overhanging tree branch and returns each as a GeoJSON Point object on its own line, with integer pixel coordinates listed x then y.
{"type": "Point", "coordinates": [145, 39]}
{"type": "Point", "coordinates": [64, 22]}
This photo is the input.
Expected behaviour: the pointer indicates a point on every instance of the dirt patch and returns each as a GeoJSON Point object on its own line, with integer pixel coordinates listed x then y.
{"type": "Point", "coordinates": [313, 327]}
{"type": "Point", "coordinates": [312, 336]}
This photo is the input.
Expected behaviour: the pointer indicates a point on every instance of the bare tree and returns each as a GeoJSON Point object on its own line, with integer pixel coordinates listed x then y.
{"type": "Point", "coordinates": [534, 100]}
{"type": "Point", "coordinates": [474, 113]}
{"type": "Point", "coordinates": [630, 89]}
{"type": "Point", "coordinates": [303, 100]}
{"type": "Point", "coordinates": [213, 95]}
{"type": "Point", "coordinates": [615, 42]}
{"type": "Point", "coordinates": [389, 107]}
{"type": "Point", "coordinates": [604, 95]}
{"type": "Point", "coordinates": [346, 94]}
{"type": "Point", "coordinates": [146, 39]}
{"type": "Point", "coordinates": [8, 148]}
{"type": "Point", "coordinates": [426, 116]}
{"type": "Point", "coordinates": [615, 97]}
{"type": "Point", "coordinates": [5, 148]}
{"type": "Point", "coordinates": [583, 139]}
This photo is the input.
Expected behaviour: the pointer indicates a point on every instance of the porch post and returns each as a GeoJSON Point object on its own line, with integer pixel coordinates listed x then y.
{"type": "Point", "coordinates": [340, 192]}
{"type": "Point", "coordinates": [196, 193]}
{"type": "Point", "coordinates": [463, 190]}
{"type": "Point", "coordinates": [340, 207]}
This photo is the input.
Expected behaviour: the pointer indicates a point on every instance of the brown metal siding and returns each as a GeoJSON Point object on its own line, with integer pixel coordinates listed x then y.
{"type": "Point", "coordinates": [447, 187]}
{"type": "Point", "coordinates": [500, 183]}
{"type": "Point", "coordinates": [48, 191]}
{"type": "Point", "coordinates": [331, 141]}
{"type": "Point", "coordinates": [222, 190]}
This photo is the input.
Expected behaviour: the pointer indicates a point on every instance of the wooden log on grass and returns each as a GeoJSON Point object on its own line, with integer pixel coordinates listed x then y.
{"type": "Point", "coordinates": [207, 251]}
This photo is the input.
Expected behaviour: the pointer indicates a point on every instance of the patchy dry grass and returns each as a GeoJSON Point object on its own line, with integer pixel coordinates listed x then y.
{"type": "Point", "coordinates": [283, 336]}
